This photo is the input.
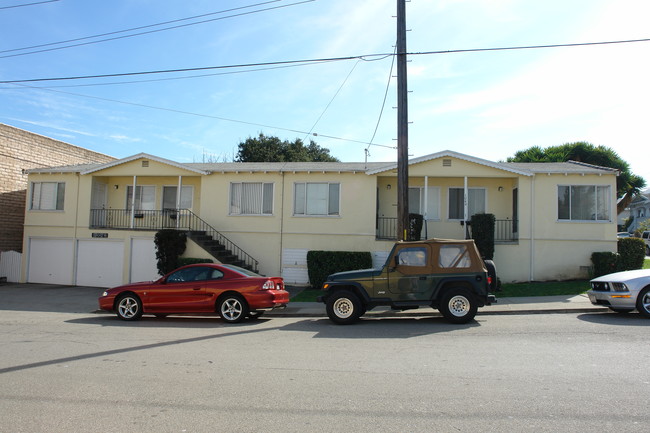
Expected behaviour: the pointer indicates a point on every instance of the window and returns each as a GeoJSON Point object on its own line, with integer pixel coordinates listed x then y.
{"type": "Point", "coordinates": [476, 202]}
{"type": "Point", "coordinates": [412, 257]}
{"type": "Point", "coordinates": [583, 202]}
{"type": "Point", "coordinates": [254, 198]}
{"type": "Point", "coordinates": [47, 195]}
{"type": "Point", "coordinates": [454, 256]}
{"type": "Point", "coordinates": [169, 197]}
{"type": "Point", "coordinates": [316, 199]}
{"type": "Point", "coordinates": [416, 202]}
{"type": "Point", "coordinates": [145, 197]}
{"type": "Point", "coordinates": [198, 273]}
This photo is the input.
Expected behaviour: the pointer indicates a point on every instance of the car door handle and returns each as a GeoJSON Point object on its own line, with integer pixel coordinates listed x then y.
{"type": "Point", "coordinates": [196, 288]}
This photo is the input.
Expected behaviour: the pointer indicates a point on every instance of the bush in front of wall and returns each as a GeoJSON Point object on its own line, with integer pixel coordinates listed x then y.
{"type": "Point", "coordinates": [170, 245]}
{"type": "Point", "coordinates": [483, 233]}
{"type": "Point", "coordinates": [631, 254]}
{"type": "Point", "coordinates": [182, 261]}
{"type": "Point", "coordinates": [605, 262]}
{"type": "Point", "coordinates": [320, 264]}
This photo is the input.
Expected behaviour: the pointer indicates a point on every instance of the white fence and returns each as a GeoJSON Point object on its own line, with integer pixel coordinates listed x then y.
{"type": "Point", "coordinates": [10, 266]}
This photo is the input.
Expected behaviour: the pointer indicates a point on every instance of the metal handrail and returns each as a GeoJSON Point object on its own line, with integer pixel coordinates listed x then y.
{"type": "Point", "coordinates": [181, 219]}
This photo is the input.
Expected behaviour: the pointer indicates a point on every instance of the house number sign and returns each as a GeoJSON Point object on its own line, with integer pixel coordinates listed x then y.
{"type": "Point", "coordinates": [100, 235]}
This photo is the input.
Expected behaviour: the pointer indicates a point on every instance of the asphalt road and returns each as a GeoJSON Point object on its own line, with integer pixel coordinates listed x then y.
{"type": "Point", "coordinates": [85, 372]}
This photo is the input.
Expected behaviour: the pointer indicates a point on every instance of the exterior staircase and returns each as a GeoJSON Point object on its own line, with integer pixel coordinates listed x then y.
{"type": "Point", "coordinates": [219, 251]}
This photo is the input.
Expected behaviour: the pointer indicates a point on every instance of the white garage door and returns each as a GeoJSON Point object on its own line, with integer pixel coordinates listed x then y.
{"type": "Point", "coordinates": [143, 260]}
{"type": "Point", "coordinates": [294, 266]}
{"type": "Point", "coordinates": [50, 261]}
{"type": "Point", "coordinates": [100, 263]}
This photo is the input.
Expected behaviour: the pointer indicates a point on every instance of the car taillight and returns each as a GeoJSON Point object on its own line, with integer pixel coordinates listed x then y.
{"type": "Point", "coordinates": [268, 285]}
{"type": "Point", "coordinates": [489, 280]}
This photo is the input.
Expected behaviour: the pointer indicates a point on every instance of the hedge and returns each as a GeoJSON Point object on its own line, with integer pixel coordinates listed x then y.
{"type": "Point", "coordinates": [483, 234]}
{"type": "Point", "coordinates": [630, 256]}
{"type": "Point", "coordinates": [320, 264]}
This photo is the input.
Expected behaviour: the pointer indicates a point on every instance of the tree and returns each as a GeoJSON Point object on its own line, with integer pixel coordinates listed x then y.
{"type": "Point", "coordinates": [272, 149]}
{"type": "Point", "coordinates": [627, 184]}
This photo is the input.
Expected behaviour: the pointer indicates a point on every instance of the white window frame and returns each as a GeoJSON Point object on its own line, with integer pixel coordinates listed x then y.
{"type": "Point", "coordinates": [263, 205]}
{"type": "Point", "coordinates": [51, 201]}
{"type": "Point", "coordinates": [607, 201]}
{"type": "Point", "coordinates": [184, 196]}
{"type": "Point", "coordinates": [129, 197]}
{"type": "Point", "coordinates": [432, 213]}
{"type": "Point", "coordinates": [469, 210]}
{"type": "Point", "coordinates": [302, 202]}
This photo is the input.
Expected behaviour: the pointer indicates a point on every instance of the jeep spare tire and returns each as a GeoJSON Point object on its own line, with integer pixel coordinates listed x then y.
{"type": "Point", "coordinates": [343, 307]}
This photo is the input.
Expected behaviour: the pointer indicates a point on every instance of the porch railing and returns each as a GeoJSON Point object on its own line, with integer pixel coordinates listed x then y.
{"type": "Point", "coordinates": [504, 230]}
{"type": "Point", "coordinates": [154, 220]}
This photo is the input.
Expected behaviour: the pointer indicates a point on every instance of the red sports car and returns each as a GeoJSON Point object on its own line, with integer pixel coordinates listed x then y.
{"type": "Point", "coordinates": [230, 291]}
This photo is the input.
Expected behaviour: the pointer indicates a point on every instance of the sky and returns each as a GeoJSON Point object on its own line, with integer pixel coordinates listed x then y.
{"type": "Point", "coordinates": [487, 104]}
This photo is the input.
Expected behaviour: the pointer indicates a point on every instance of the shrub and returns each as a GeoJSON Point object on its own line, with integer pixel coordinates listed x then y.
{"type": "Point", "coordinates": [320, 264]}
{"type": "Point", "coordinates": [415, 226]}
{"type": "Point", "coordinates": [631, 253]}
{"type": "Point", "coordinates": [170, 244]}
{"type": "Point", "coordinates": [483, 234]}
{"type": "Point", "coordinates": [604, 263]}
{"type": "Point", "coordinates": [182, 261]}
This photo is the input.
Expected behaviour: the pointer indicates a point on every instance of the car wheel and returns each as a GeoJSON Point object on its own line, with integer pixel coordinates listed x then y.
{"type": "Point", "coordinates": [619, 310]}
{"type": "Point", "coordinates": [129, 307]}
{"type": "Point", "coordinates": [255, 314]}
{"type": "Point", "coordinates": [343, 307]}
{"type": "Point", "coordinates": [643, 302]}
{"type": "Point", "coordinates": [233, 308]}
{"type": "Point", "coordinates": [458, 305]}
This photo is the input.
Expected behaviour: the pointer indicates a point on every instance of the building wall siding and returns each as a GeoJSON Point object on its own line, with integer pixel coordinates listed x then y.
{"type": "Point", "coordinates": [21, 150]}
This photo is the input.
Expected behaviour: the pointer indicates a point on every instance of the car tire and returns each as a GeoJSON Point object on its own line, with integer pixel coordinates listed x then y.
{"type": "Point", "coordinates": [643, 302]}
{"type": "Point", "coordinates": [129, 307]}
{"type": "Point", "coordinates": [232, 308]}
{"type": "Point", "coordinates": [343, 307]}
{"type": "Point", "coordinates": [492, 273]}
{"type": "Point", "coordinates": [458, 305]}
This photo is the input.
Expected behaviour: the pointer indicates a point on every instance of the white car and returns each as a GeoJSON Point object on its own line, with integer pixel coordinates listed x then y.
{"type": "Point", "coordinates": [623, 291]}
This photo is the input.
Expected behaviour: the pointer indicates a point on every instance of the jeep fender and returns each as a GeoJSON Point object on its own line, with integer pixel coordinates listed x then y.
{"type": "Point", "coordinates": [469, 283]}
{"type": "Point", "coordinates": [354, 287]}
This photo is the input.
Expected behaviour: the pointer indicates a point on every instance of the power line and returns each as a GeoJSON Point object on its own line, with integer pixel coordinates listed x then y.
{"type": "Point", "coordinates": [28, 4]}
{"type": "Point", "coordinates": [189, 113]}
{"type": "Point", "coordinates": [158, 30]}
{"type": "Point", "coordinates": [135, 28]}
{"type": "Point", "coordinates": [365, 57]}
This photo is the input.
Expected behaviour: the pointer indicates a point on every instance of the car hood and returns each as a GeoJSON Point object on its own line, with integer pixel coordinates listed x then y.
{"type": "Point", "coordinates": [624, 276]}
{"type": "Point", "coordinates": [132, 286]}
{"type": "Point", "coordinates": [353, 275]}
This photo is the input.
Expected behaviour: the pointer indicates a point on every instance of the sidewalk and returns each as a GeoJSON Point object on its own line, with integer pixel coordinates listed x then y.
{"type": "Point", "coordinates": [74, 299]}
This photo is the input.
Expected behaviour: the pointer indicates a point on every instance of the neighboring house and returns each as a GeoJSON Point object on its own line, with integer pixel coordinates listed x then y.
{"type": "Point", "coordinates": [550, 216]}
{"type": "Point", "coordinates": [639, 210]}
{"type": "Point", "coordinates": [19, 151]}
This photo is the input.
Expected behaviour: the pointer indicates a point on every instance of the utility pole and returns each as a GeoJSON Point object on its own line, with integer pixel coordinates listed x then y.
{"type": "Point", "coordinates": [402, 126]}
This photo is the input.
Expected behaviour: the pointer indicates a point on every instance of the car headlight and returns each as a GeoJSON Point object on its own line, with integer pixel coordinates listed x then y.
{"type": "Point", "coordinates": [105, 294]}
{"type": "Point", "coordinates": [619, 287]}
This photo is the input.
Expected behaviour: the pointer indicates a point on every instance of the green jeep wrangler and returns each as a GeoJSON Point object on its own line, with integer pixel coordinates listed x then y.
{"type": "Point", "coordinates": [445, 274]}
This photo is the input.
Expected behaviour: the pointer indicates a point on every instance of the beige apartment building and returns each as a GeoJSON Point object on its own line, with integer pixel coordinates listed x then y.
{"type": "Point", "coordinates": [93, 224]}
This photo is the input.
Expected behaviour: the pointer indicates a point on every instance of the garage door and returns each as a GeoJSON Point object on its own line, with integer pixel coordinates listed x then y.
{"type": "Point", "coordinates": [294, 266]}
{"type": "Point", "coordinates": [50, 261]}
{"type": "Point", "coordinates": [143, 260]}
{"type": "Point", "coordinates": [100, 263]}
